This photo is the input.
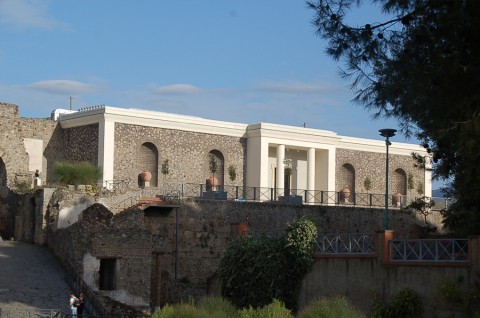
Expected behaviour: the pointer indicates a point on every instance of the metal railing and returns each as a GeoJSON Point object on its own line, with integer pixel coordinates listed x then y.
{"type": "Point", "coordinates": [353, 244]}
{"type": "Point", "coordinates": [429, 250]}
{"type": "Point", "coordinates": [39, 313]}
{"type": "Point", "coordinates": [265, 194]}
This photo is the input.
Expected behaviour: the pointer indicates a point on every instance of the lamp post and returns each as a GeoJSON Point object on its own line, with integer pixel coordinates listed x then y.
{"type": "Point", "coordinates": [387, 133]}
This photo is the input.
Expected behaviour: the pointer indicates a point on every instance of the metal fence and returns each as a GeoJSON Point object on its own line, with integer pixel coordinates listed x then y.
{"type": "Point", "coordinates": [39, 313]}
{"type": "Point", "coordinates": [353, 244]}
{"type": "Point", "coordinates": [301, 196]}
{"type": "Point", "coordinates": [429, 250]}
{"type": "Point", "coordinates": [174, 191]}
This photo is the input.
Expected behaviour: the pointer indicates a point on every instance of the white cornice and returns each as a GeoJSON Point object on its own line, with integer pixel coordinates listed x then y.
{"type": "Point", "coordinates": [370, 145]}
{"type": "Point", "coordinates": [275, 133]}
{"type": "Point", "coordinates": [152, 119]}
{"type": "Point", "coordinates": [291, 135]}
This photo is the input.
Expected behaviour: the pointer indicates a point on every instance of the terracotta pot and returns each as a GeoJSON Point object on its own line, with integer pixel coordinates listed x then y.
{"type": "Point", "coordinates": [242, 228]}
{"type": "Point", "coordinates": [345, 192]}
{"type": "Point", "coordinates": [396, 198]}
{"type": "Point", "coordinates": [146, 176]}
{"type": "Point", "coordinates": [212, 181]}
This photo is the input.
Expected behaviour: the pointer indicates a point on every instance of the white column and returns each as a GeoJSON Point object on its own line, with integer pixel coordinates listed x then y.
{"type": "Point", "coordinates": [310, 174]}
{"type": "Point", "coordinates": [106, 147]}
{"type": "Point", "coordinates": [280, 166]}
{"type": "Point", "coordinates": [428, 177]}
{"type": "Point", "coordinates": [331, 173]}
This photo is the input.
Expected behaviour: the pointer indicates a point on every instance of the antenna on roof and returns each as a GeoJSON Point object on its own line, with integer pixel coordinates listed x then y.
{"type": "Point", "coordinates": [71, 98]}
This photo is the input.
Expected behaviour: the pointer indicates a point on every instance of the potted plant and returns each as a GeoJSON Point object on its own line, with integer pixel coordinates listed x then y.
{"type": "Point", "coordinates": [212, 182]}
{"type": "Point", "coordinates": [165, 167]}
{"type": "Point", "coordinates": [367, 184]}
{"type": "Point", "coordinates": [232, 173]}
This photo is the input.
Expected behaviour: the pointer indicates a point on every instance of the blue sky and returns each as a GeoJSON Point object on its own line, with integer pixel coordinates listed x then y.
{"type": "Point", "coordinates": [244, 61]}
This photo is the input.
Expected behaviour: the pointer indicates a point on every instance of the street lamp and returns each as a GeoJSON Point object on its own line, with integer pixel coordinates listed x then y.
{"type": "Point", "coordinates": [387, 133]}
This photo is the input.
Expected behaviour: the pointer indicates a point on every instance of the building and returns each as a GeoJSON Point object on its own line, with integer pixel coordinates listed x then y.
{"type": "Point", "coordinates": [125, 142]}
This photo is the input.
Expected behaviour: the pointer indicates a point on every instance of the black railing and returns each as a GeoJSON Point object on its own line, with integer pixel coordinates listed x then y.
{"type": "Point", "coordinates": [265, 194]}
{"type": "Point", "coordinates": [311, 197]}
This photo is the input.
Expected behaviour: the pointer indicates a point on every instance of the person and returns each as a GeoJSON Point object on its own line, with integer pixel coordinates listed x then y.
{"type": "Point", "coordinates": [81, 299]}
{"type": "Point", "coordinates": [73, 302]}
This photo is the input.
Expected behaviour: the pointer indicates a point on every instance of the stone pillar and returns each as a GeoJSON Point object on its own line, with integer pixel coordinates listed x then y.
{"type": "Point", "coordinates": [106, 143]}
{"type": "Point", "coordinates": [280, 167]}
{"type": "Point", "coordinates": [383, 252]}
{"type": "Point", "coordinates": [310, 175]}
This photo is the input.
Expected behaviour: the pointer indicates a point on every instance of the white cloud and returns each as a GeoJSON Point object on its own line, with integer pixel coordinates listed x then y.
{"type": "Point", "coordinates": [24, 14]}
{"type": "Point", "coordinates": [177, 89]}
{"type": "Point", "coordinates": [63, 87]}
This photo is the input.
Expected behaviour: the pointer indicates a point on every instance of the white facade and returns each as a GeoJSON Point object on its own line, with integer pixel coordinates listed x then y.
{"type": "Point", "coordinates": [311, 151]}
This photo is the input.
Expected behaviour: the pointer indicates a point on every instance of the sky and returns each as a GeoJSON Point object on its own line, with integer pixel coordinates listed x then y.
{"type": "Point", "coordinates": [243, 61]}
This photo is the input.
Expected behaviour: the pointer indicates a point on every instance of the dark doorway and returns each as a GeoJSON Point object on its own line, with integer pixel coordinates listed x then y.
{"type": "Point", "coordinates": [107, 274]}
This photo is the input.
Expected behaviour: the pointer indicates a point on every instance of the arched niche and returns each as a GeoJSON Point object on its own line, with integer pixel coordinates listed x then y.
{"type": "Point", "coordinates": [148, 160]}
{"type": "Point", "coordinates": [347, 177]}
{"type": "Point", "coordinates": [220, 164]}
{"type": "Point", "coordinates": [399, 181]}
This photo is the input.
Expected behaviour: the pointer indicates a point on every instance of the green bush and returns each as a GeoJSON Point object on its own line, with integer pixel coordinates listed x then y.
{"type": "Point", "coordinates": [466, 299]}
{"type": "Point", "coordinates": [250, 271]}
{"type": "Point", "coordinates": [254, 271]}
{"type": "Point", "coordinates": [336, 307]}
{"type": "Point", "coordinates": [405, 304]}
{"type": "Point", "coordinates": [216, 307]}
{"type": "Point", "coordinates": [274, 310]}
{"type": "Point", "coordinates": [77, 173]}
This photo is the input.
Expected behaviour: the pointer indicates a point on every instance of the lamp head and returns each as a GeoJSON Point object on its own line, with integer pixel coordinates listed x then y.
{"type": "Point", "coordinates": [387, 132]}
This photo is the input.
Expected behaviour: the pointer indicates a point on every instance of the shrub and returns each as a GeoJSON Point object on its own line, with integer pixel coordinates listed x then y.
{"type": "Point", "coordinates": [77, 173]}
{"type": "Point", "coordinates": [250, 271]}
{"type": "Point", "coordinates": [207, 307]}
{"type": "Point", "coordinates": [336, 307]}
{"type": "Point", "coordinates": [254, 271]}
{"type": "Point", "coordinates": [274, 310]}
{"type": "Point", "coordinates": [405, 304]}
{"type": "Point", "coordinates": [218, 307]}
{"type": "Point", "coordinates": [467, 299]}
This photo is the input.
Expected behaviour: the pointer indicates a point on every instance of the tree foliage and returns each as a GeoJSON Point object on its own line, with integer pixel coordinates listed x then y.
{"type": "Point", "coordinates": [254, 271]}
{"type": "Point", "coordinates": [421, 67]}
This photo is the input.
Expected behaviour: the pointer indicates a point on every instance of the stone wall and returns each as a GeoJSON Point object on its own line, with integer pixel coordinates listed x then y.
{"type": "Point", "coordinates": [187, 153]}
{"type": "Point", "coordinates": [15, 172]}
{"type": "Point", "coordinates": [81, 144]}
{"type": "Point", "coordinates": [146, 248]}
{"type": "Point", "coordinates": [372, 165]}
{"type": "Point", "coordinates": [359, 277]}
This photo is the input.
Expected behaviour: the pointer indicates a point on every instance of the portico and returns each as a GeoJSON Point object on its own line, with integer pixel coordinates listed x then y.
{"type": "Point", "coordinates": [311, 153]}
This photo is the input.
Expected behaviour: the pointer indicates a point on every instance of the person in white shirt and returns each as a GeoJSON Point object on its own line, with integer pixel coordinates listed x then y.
{"type": "Point", "coordinates": [73, 301]}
